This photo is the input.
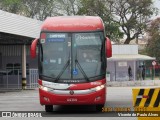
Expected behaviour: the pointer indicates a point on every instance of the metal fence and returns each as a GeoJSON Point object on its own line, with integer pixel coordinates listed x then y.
{"type": "Point", "coordinates": [33, 78]}
{"type": "Point", "coordinates": [12, 79]}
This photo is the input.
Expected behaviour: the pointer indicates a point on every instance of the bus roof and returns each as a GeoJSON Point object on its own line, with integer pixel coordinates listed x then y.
{"type": "Point", "coordinates": [72, 24]}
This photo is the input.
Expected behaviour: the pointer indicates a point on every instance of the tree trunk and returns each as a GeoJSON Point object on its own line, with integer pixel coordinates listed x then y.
{"type": "Point", "coordinates": [127, 41]}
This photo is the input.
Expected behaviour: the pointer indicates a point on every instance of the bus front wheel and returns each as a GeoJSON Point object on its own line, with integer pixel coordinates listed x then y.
{"type": "Point", "coordinates": [49, 108]}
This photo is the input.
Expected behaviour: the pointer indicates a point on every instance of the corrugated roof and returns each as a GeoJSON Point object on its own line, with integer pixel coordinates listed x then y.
{"type": "Point", "coordinates": [130, 57]}
{"type": "Point", "coordinates": [19, 25]}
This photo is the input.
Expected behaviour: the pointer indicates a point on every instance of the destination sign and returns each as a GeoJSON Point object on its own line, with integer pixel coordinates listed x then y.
{"type": "Point", "coordinates": [56, 36]}
{"type": "Point", "coordinates": [55, 39]}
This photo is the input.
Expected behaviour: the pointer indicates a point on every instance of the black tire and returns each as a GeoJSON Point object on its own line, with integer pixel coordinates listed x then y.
{"type": "Point", "coordinates": [99, 108]}
{"type": "Point", "coordinates": [49, 108]}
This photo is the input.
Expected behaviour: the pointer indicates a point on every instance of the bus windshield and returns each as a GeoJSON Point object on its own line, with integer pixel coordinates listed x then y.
{"type": "Point", "coordinates": [72, 56]}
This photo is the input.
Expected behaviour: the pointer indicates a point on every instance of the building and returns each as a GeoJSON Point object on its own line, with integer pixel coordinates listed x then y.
{"type": "Point", "coordinates": [16, 34]}
{"type": "Point", "coordinates": [124, 56]}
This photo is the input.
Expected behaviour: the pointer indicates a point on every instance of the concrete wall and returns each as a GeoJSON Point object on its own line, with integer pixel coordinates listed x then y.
{"type": "Point", "coordinates": [124, 49]}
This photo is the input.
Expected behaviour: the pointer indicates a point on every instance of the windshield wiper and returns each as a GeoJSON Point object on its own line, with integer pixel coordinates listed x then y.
{"type": "Point", "coordinates": [62, 71]}
{"type": "Point", "coordinates": [59, 75]}
{"type": "Point", "coordinates": [81, 69]}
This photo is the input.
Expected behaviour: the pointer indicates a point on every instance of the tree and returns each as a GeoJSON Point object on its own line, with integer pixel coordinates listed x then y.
{"type": "Point", "coordinates": [154, 39]}
{"type": "Point", "coordinates": [101, 8]}
{"type": "Point", "coordinates": [40, 9]}
{"type": "Point", "coordinates": [131, 15]}
{"type": "Point", "coordinates": [13, 6]}
{"type": "Point", "coordinates": [68, 7]}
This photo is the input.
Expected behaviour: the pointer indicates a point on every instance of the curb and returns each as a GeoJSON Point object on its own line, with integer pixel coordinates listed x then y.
{"type": "Point", "coordinates": [133, 83]}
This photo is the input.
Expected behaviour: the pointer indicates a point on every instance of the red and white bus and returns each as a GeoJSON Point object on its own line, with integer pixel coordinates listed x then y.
{"type": "Point", "coordinates": [72, 61]}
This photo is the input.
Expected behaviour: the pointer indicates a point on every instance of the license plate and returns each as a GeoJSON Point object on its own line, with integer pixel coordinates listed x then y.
{"type": "Point", "coordinates": [72, 100]}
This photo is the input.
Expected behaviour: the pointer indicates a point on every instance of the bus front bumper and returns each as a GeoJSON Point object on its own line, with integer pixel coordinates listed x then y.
{"type": "Point", "coordinates": [72, 97]}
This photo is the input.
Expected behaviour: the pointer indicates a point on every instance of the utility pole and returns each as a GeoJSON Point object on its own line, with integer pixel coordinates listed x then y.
{"type": "Point", "coordinates": [24, 81]}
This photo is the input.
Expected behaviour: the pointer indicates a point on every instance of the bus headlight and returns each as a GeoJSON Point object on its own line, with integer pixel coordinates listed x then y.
{"type": "Point", "coordinates": [98, 88]}
{"type": "Point", "coordinates": [44, 88]}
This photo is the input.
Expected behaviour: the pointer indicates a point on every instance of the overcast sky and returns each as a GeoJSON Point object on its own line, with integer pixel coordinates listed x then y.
{"type": "Point", "coordinates": [157, 4]}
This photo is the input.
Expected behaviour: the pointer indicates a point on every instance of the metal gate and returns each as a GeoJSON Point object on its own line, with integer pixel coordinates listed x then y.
{"type": "Point", "coordinates": [33, 78]}
{"type": "Point", "coordinates": [10, 79]}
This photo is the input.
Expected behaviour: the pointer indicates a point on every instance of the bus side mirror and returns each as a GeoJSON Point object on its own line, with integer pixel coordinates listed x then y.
{"type": "Point", "coordinates": [33, 48]}
{"type": "Point", "coordinates": [108, 48]}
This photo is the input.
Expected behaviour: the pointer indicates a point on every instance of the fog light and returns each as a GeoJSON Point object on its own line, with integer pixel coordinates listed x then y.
{"type": "Point", "coordinates": [97, 98]}
{"type": "Point", "coordinates": [46, 99]}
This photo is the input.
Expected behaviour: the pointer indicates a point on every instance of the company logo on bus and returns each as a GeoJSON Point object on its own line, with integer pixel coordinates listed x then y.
{"type": "Point", "coordinates": [83, 37]}
{"type": "Point", "coordinates": [71, 92]}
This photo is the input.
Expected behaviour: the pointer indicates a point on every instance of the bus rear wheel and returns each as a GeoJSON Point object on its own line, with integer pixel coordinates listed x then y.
{"type": "Point", "coordinates": [49, 108]}
{"type": "Point", "coordinates": [99, 108]}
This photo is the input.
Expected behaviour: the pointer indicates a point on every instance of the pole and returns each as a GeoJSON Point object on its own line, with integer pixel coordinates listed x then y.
{"type": "Point", "coordinates": [115, 69]}
{"type": "Point", "coordinates": [154, 72]}
{"type": "Point", "coordinates": [18, 79]}
{"type": "Point", "coordinates": [24, 82]}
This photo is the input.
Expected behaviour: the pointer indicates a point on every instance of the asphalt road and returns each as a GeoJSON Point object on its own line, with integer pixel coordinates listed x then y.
{"type": "Point", "coordinates": [28, 100]}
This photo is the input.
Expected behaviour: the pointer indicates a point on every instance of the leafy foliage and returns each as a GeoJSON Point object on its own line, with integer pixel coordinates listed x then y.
{"type": "Point", "coordinates": [13, 6]}
{"type": "Point", "coordinates": [99, 8]}
{"type": "Point", "coordinates": [129, 15]}
{"type": "Point", "coordinates": [154, 39]}
{"type": "Point", "coordinates": [121, 17]}
{"type": "Point", "coordinates": [132, 16]}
